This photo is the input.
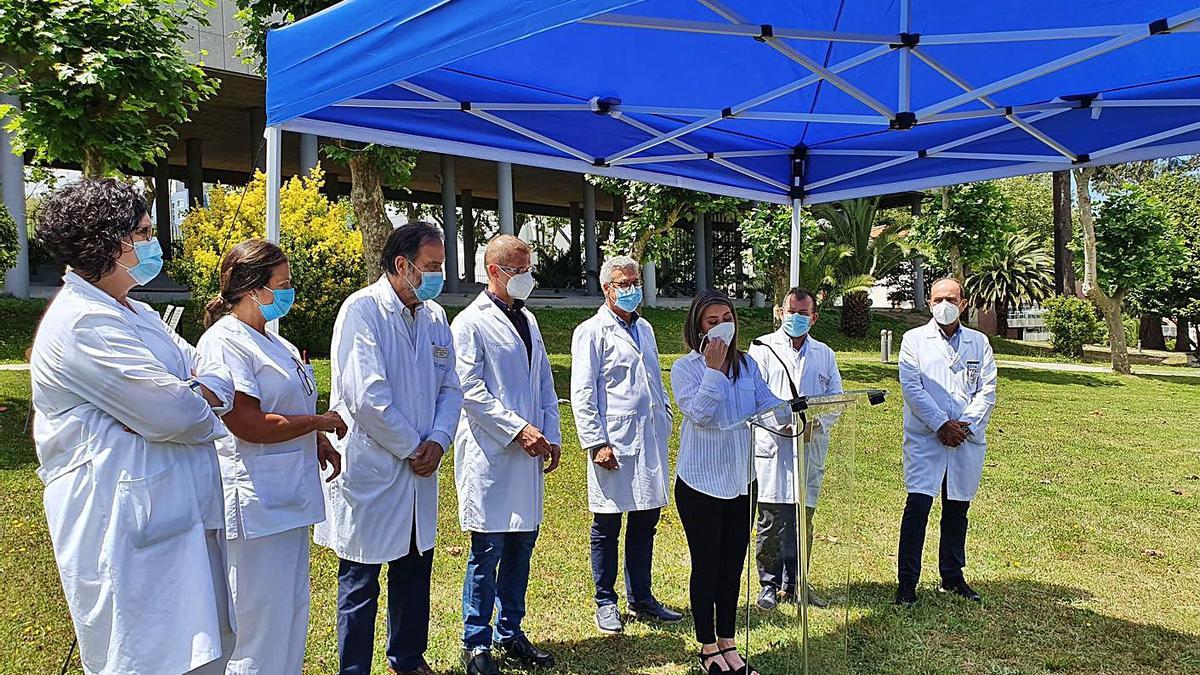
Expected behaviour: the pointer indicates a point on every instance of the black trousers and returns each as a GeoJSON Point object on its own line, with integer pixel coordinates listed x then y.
{"type": "Point", "coordinates": [952, 544]}
{"type": "Point", "coordinates": [775, 551]}
{"type": "Point", "coordinates": [718, 534]}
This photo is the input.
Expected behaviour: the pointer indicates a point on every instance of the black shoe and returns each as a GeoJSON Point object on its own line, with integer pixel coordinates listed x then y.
{"type": "Point", "coordinates": [815, 600]}
{"type": "Point", "coordinates": [479, 662]}
{"type": "Point", "coordinates": [768, 599]}
{"type": "Point", "coordinates": [521, 649]}
{"type": "Point", "coordinates": [608, 619]}
{"type": "Point", "coordinates": [960, 588]}
{"type": "Point", "coordinates": [653, 609]}
{"type": "Point", "coordinates": [906, 595]}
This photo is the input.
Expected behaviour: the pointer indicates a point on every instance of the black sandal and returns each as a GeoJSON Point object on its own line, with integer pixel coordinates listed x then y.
{"type": "Point", "coordinates": [746, 668]}
{"type": "Point", "coordinates": [712, 668]}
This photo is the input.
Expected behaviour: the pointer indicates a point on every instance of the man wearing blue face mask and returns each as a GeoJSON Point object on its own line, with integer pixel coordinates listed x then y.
{"type": "Point", "coordinates": [623, 417]}
{"type": "Point", "coordinates": [793, 362]}
{"type": "Point", "coordinates": [394, 382]}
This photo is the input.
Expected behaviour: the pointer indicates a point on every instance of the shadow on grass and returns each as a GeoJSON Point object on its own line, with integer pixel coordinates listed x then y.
{"type": "Point", "coordinates": [1061, 377]}
{"type": "Point", "coordinates": [1172, 379]}
{"type": "Point", "coordinates": [1023, 626]}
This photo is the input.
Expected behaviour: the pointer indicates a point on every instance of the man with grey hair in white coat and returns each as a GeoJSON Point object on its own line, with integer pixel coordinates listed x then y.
{"type": "Point", "coordinates": [623, 418]}
{"type": "Point", "coordinates": [948, 378]}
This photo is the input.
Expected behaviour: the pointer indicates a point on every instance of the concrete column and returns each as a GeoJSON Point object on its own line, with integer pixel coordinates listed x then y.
{"type": "Point", "coordinates": [918, 274]}
{"type": "Point", "coordinates": [504, 197]}
{"type": "Point", "coordinates": [332, 186]}
{"type": "Point", "coordinates": [12, 181]}
{"type": "Point", "coordinates": [591, 248]}
{"type": "Point", "coordinates": [468, 237]}
{"type": "Point", "coordinates": [308, 153]}
{"type": "Point", "coordinates": [258, 126]}
{"type": "Point", "coordinates": [450, 223]}
{"type": "Point", "coordinates": [162, 206]}
{"type": "Point", "coordinates": [195, 172]}
{"type": "Point", "coordinates": [650, 284]}
{"type": "Point", "coordinates": [699, 232]}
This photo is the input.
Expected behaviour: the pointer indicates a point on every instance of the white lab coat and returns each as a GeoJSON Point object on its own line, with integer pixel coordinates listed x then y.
{"type": "Point", "coordinates": [128, 511]}
{"type": "Point", "coordinates": [274, 487]}
{"type": "Point", "coordinates": [939, 385]}
{"type": "Point", "coordinates": [272, 495]}
{"type": "Point", "coordinates": [815, 373]}
{"type": "Point", "coordinates": [500, 487]}
{"type": "Point", "coordinates": [618, 399]}
{"type": "Point", "coordinates": [395, 390]}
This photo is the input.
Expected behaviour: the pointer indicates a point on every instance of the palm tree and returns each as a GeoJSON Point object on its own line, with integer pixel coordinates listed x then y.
{"type": "Point", "coordinates": [1020, 271]}
{"type": "Point", "coordinates": [870, 252]}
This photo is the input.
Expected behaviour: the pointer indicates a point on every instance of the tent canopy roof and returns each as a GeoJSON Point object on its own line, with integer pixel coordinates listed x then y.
{"type": "Point", "coordinates": [764, 99]}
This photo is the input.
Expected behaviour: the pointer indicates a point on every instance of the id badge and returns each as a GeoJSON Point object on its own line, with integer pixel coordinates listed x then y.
{"type": "Point", "coordinates": [973, 375]}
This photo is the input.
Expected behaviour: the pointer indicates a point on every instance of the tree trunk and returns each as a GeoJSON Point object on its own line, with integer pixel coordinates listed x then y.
{"type": "Point", "coordinates": [1150, 332]}
{"type": "Point", "coordinates": [1064, 258]}
{"type": "Point", "coordinates": [638, 248]}
{"type": "Point", "coordinates": [1002, 319]}
{"type": "Point", "coordinates": [366, 198]}
{"type": "Point", "coordinates": [1183, 337]}
{"type": "Point", "coordinates": [1110, 307]}
{"type": "Point", "coordinates": [94, 164]}
{"type": "Point", "coordinates": [856, 314]}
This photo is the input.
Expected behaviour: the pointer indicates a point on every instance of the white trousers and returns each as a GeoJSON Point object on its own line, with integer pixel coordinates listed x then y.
{"type": "Point", "coordinates": [269, 580]}
{"type": "Point", "coordinates": [217, 560]}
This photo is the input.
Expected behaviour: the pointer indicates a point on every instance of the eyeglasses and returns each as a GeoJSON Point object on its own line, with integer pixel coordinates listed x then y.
{"type": "Point", "coordinates": [310, 387]}
{"type": "Point", "coordinates": [514, 271]}
{"type": "Point", "coordinates": [625, 285]}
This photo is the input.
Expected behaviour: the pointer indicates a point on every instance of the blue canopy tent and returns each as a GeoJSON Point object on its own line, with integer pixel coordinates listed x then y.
{"type": "Point", "coordinates": [775, 100]}
{"type": "Point", "coordinates": [780, 101]}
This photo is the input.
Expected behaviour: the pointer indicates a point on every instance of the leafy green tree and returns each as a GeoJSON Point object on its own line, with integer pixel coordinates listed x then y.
{"type": "Point", "coordinates": [651, 210]}
{"type": "Point", "coordinates": [867, 254]}
{"type": "Point", "coordinates": [1020, 271]}
{"type": "Point", "coordinates": [1030, 201]}
{"type": "Point", "coordinates": [963, 224]}
{"type": "Point", "coordinates": [371, 166]}
{"type": "Point", "coordinates": [1127, 246]}
{"type": "Point", "coordinates": [1072, 324]}
{"type": "Point", "coordinates": [101, 82]}
{"type": "Point", "coordinates": [1179, 295]}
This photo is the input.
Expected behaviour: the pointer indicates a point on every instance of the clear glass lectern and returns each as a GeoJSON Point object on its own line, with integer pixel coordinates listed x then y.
{"type": "Point", "coordinates": [818, 640]}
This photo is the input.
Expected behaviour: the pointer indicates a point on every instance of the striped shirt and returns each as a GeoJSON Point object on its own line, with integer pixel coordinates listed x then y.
{"type": "Point", "coordinates": [711, 461]}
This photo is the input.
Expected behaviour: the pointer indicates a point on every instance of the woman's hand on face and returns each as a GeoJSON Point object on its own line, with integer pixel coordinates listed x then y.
{"type": "Point", "coordinates": [714, 354]}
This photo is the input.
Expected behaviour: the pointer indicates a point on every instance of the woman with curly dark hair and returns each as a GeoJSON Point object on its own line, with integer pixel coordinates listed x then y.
{"type": "Point", "coordinates": [127, 416]}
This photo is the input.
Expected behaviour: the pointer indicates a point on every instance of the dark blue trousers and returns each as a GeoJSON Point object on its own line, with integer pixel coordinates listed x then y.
{"type": "Point", "coordinates": [639, 554]}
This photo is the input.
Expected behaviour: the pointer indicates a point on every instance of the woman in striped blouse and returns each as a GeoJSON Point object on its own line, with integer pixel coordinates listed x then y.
{"type": "Point", "coordinates": [716, 385]}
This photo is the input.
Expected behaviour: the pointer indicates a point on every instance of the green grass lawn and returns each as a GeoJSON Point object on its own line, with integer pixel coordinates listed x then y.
{"type": "Point", "coordinates": [1085, 541]}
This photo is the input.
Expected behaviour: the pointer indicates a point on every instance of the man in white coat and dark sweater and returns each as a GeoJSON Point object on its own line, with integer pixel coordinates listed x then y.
{"type": "Point", "coordinates": [508, 439]}
{"type": "Point", "coordinates": [948, 379]}
{"type": "Point", "coordinates": [791, 357]}
{"type": "Point", "coordinates": [623, 417]}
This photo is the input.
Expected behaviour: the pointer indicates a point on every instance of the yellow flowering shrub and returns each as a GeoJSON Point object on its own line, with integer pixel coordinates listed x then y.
{"type": "Point", "coordinates": [319, 237]}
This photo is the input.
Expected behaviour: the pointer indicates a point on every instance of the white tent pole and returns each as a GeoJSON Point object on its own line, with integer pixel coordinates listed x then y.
{"type": "Point", "coordinates": [794, 268]}
{"type": "Point", "coordinates": [504, 197]}
{"type": "Point", "coordinates": [274, 137]}
{"type": "Point", "coordinates": [1145, 140]}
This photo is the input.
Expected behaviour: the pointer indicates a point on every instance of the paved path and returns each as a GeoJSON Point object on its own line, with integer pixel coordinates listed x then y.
{"type": "Point", "coordinates": [14, 366]}
{"type": "Point", "coordinates": [1083, 368]}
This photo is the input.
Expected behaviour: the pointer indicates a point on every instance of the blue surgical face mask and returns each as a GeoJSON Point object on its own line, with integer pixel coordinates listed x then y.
{"type": "Point", "coordinates": [280, 305]}
{"type": "Point", "coordinates": [149, 264]}
{"type": "Point", "coordinates": [431, 285]}
{"type": "Point", "coordinates": [796, 325]}
{"type": "Point", "coordinates": [629, 299]}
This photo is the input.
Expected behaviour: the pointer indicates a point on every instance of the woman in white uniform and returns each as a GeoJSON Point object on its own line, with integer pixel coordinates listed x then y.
{"type": "Point", "coordinates": [717, 386]}
{"type": "Point", "coordinates": [269, 463]}
{"type": "Point", "coordinates": [126, 416]}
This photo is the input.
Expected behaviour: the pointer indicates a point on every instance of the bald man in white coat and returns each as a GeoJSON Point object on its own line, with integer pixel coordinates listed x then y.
{"type": "Point", "coordinates": [948, 378]}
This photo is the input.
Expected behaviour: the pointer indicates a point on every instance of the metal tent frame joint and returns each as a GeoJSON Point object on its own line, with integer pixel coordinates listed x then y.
{"type": "Point", "coordinates": [908, 40]}
{"type": "Point", "coordinates": [903, 121]}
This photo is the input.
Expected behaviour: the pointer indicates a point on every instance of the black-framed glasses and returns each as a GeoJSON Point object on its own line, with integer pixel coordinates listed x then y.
{"type": "Point", "coordinates": [625, 285]}
{"type": "Point", "coordinates": [310, 386]}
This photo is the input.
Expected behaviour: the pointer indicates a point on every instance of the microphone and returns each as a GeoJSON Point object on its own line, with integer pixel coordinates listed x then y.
{"type": "Point", "coordinates": [787, 372]}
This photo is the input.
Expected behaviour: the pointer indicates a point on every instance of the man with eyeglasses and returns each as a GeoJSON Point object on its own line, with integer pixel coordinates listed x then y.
{"type": "Point", "coordinates": [790, 359]}
{"type": "Point", "coordinates": [508, 439]}
{"type": "Point", "coordinates": [623, 418]}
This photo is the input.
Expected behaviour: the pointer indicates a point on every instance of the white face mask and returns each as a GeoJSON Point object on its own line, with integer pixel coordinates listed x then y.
{"type": "Point", "coordinates": [722, 331]}
{"type": "Point", "coordinates": [519, 286]}
{"type": "Point", "coordinates": [945, 312]}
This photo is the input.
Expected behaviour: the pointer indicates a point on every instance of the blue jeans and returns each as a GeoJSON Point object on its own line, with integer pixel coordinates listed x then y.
{"type": "Point", "coordinates": [639, 552]}
{"type": "Point", "coordinates": [408, 612]}
{"type": "Point", "coordinates": [496, 580]}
